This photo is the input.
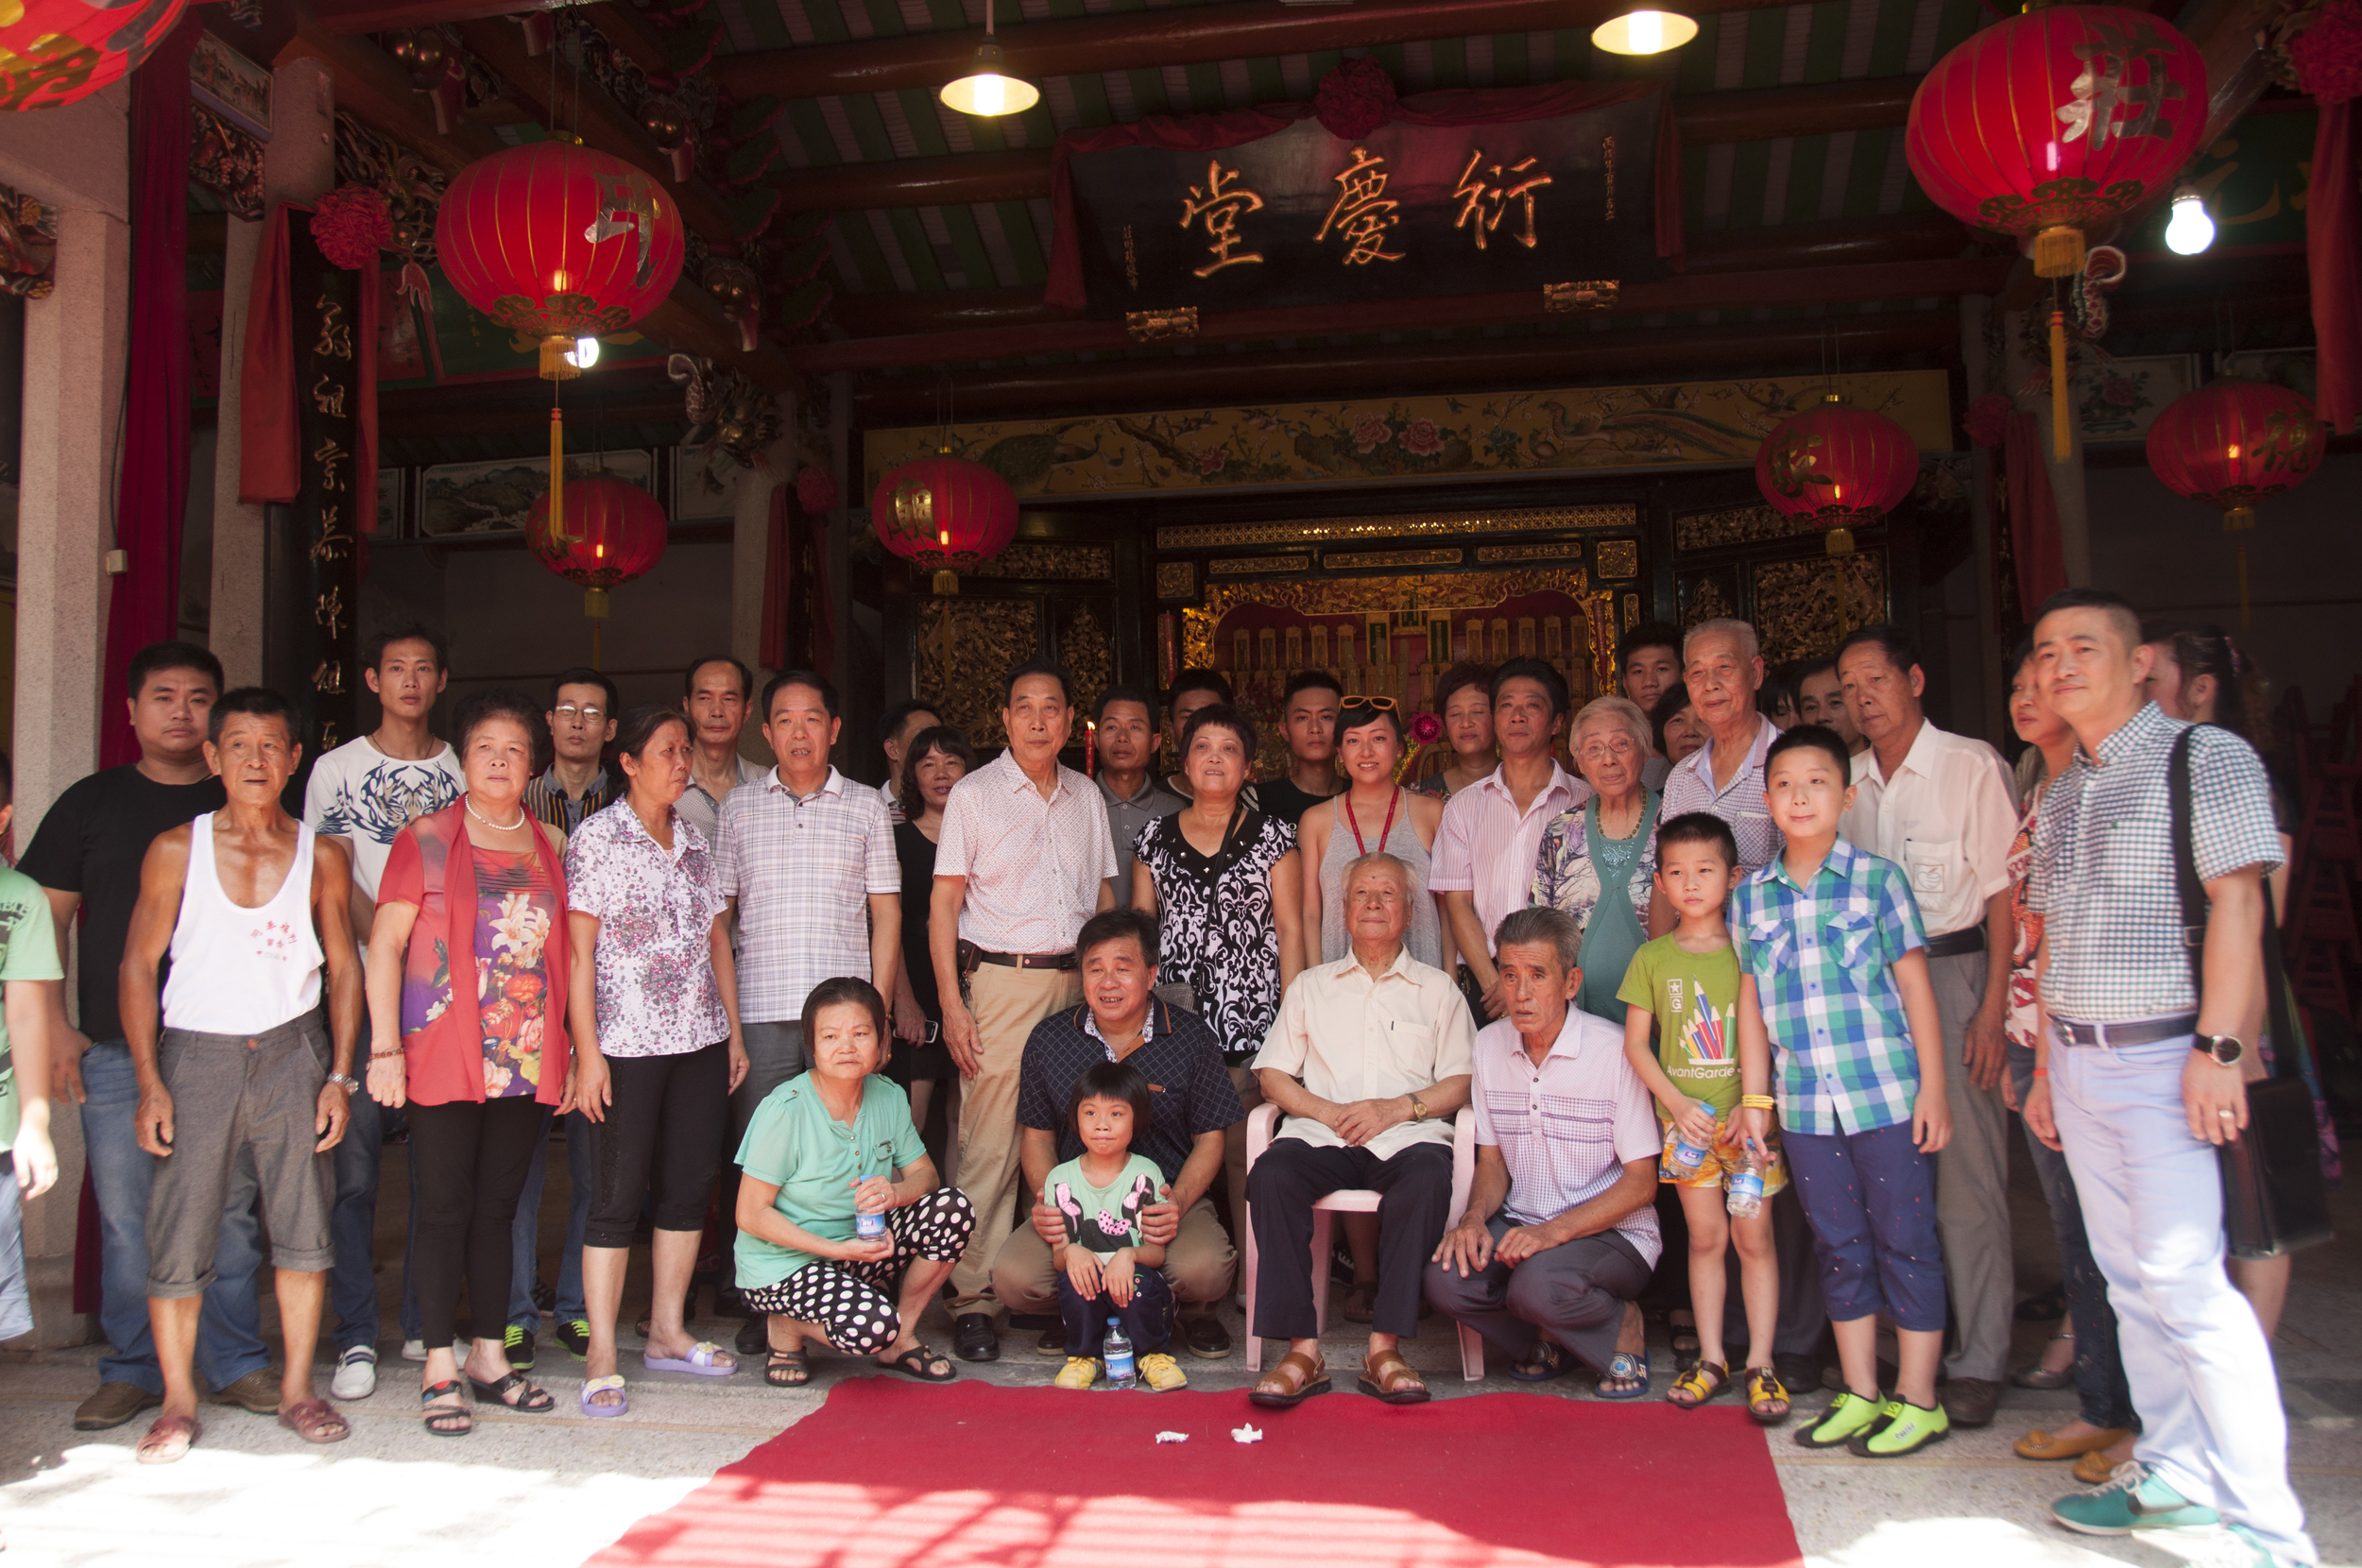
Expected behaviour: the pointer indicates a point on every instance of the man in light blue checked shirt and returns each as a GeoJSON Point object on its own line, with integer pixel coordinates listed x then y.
{"type": "Point", "coordinates": [1835, 1006]}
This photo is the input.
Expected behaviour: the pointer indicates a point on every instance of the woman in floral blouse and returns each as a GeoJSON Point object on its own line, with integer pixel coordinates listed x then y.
{"type": "Point", "coordinates": [655, 1010]}
{"type": "Point", "coordinates": [1598, 862]}
{"type": "Point", "coordinates": [474, 890]}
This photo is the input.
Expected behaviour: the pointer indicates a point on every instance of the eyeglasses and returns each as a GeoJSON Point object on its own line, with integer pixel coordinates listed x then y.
{"type": "Point", "coordinates": [568, 712]}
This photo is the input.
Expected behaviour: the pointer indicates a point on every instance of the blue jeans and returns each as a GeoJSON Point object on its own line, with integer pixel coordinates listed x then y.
{"type": "Point", "coordinates": [229, 1328]}
{"type": "Point", "coordinates": [2099, 1387]}
{"type": "Point", "coordinates": [352, 1227]}
{"type": "Point", "coordinates": [1871, 1199]}
{"type": "Point", "coordinates": [2201, 1375]}
{"type": "Point", "coordinates": [581, 1171]}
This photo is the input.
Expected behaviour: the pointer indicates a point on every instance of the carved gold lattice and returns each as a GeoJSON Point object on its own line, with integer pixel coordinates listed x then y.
{"type": "Point", "coordinates": [1089, 657]}
{"type": "Point", "coordinates": [1706, 602]}
{"type": "Point", "coordinates": [1252, 565]}
{"type": "Point", "coordinates": [1336, 558]}
{"type": "Point", "coordinates": [1737, 526]}
{"type": "Point", "coordinates": [1619, 560]}
{"type": "Point", "coordinates": [1799, 609]}
{"type": "Point", "coordinates": [988, 637]}
{"type": "Point", "coordinates": [1502, 555]}
{"type": "Point", "coordinates": [1176, 579]}
{"type": "Point", "coordinates": [1036, 559]}
{"type": "Point", "coordinates": [1531, 520]}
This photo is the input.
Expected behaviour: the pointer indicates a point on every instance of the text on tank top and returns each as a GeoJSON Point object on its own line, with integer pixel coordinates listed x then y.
{"type": "Point", "coordinates": [237, 970]}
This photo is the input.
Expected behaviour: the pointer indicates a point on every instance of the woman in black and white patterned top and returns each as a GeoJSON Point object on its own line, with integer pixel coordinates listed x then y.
{"type": "Point", "coordinates": [1226, 885]}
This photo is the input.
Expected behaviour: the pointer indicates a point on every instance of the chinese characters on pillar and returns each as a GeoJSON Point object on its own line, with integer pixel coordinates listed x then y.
{"type": "Point", "coordinates": [314, 562]}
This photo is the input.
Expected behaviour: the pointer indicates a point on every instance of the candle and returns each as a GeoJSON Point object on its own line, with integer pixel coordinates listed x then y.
{"type": "Point", "coordinates": [1091, 749]}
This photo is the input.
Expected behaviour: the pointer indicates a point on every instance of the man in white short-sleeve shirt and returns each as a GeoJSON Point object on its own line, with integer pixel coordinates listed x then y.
{"type": "Point", "coordinates": [1938, 805]}
{"type": "Point", "coordinates": [1022, 860]}
{"type": "Point", "coordinates": [1561, 1231]}
{"type": "Point", "coordinates": [365, 791]}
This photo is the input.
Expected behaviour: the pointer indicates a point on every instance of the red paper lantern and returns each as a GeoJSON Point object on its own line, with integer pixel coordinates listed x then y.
{"type": "Point", "coordinates": [946, 513]}
{"type": "Point", "coordinates": [1839, 466]}
{"type": "Point", "coordinates": [55, 52]}
{"type": "Point", "coordinates": [609, 532]}
{"type": "Point", "coordinates": [2231, 444]}
{"type": "Point", "coordinates": [2047, 125]}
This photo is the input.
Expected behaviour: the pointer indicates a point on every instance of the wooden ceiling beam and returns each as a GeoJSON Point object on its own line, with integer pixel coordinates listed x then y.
{"type": "Point", "coordinates": [1022, 175]}
{"type": "Point", "coordinates": [1180, 35]}
{"type": "Point", "coordinates": [1387, 369]}
{"type": "Point", "coordinates": [347, 18]}
{"type": "Point", "coordinates": [1799, 286]}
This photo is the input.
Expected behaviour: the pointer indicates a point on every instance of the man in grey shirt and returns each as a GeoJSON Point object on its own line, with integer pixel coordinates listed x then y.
{"type": "Point", "coordinates": [1123, 730]}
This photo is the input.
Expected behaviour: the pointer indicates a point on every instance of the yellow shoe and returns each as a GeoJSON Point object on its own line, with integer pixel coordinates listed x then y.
{"type": "Point", "coordinates": [1080, 1371]}
{"type": "Point", "coordinates": [1162, 1372]}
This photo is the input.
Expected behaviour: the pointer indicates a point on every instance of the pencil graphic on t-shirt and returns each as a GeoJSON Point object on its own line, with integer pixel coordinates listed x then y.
{"type": "Point", "coordinates": [1706, 1037]}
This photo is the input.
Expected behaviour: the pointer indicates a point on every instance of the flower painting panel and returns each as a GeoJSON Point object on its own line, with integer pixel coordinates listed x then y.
{"type": "Point", "coordinates": [2117, 400]}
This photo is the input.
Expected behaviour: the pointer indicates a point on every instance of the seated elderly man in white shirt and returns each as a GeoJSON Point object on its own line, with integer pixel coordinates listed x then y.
{"type": "Point", "coordinates": [1560, 1233]}
{"type": "Point", "coordinates": [1369, 1060]}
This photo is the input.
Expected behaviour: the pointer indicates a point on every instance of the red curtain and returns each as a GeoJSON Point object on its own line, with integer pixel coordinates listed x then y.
{"type": "Point", "coordinates": [2332, 247]}
{"type": "Point", "coordinates": [153, 486]}
{"type": "Point", "coordinates": [269, 461]}
{"type": "Point", "coordinates": [1448, 106]}
{"type": "Point", "coordinates": [2034, 516]}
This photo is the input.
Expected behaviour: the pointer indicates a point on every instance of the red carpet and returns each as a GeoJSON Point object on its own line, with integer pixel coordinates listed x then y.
{"type": "Point", "coordinates": [890, 1474]}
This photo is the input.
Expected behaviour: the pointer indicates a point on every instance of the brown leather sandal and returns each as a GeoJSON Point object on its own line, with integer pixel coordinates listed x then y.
{"type": "Point", "coordinates": [1386, 1375]}
{"type": "Point", "coordinates": [1295, 1380]}
{"type": "Point", "coordinates": [315, 1421]}
{"type": "Point", "coordinates": [168, 1440]}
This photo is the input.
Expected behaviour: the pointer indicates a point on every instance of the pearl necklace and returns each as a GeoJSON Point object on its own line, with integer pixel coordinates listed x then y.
{"type": "Point", "coordinates": [468, 801]}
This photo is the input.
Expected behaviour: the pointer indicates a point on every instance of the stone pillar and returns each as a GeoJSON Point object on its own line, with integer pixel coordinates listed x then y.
{"type": "Point", "coordinates": [74, 364]}
{"type": "Point", "coordinates": [750, 555]}
{"type": "Point", "coordinates": [298, 164]}
{"type": "Point", "coordinates": [2066, 473]}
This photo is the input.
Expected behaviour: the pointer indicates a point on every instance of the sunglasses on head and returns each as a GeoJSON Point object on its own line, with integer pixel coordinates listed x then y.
{"type": "Point", "coordinates": [1383, 704]}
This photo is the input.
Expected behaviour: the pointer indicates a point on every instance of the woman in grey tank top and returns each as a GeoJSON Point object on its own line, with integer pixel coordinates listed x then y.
{"type": "Point", "coordinates": [1373, 813]}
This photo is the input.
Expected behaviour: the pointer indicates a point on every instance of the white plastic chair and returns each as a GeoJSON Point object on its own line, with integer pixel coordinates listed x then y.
{"type": "Point", "coordinates": [1260, 1125]}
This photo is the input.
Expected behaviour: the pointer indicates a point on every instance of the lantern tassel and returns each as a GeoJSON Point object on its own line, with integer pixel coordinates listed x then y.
{"type": "Point", "coordinates": [558, 475]}
{"type": "Point", "coordinates": [2061, 441]}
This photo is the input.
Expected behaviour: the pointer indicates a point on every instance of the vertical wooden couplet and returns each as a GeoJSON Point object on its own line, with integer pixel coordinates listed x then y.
{"type": "Point", "coordinates": [315, 557]}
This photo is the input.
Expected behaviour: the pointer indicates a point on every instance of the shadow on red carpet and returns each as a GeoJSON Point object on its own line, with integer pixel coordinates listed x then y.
{"type": "Point", "coordinates": [887, 1475]}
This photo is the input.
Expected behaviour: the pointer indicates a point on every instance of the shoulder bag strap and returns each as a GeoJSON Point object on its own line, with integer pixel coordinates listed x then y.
{"type": "Point", "coordinates": [2186, 882]}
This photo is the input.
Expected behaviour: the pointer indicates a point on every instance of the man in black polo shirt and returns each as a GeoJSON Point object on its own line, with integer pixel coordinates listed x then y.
{"type": "Point", "coordinates": [1192, 1103]}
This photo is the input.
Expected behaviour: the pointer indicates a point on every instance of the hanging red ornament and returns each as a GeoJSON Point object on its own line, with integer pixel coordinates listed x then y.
{"type": "Point", "coordinates": [1987, 420]}
{"type": "Point", "coordinates": [558, 242]}
{"type": "Point", "coordinates": [1354, 99]}
{"type": "Point", "coordinates": [2231, 444]}
{"type": "Point", "coordinates": [815, 491]}
{"type": "Point", "coordinates": [350, 225]}
{"type": "Point", "coordinates": [609, 532]}
{"type": "Point", "coordinates": [1839, 466]}
{"type": "Point", "coordinates": [55, 52]}
{"type": "Point", "coordinates": [945, 513]}
{"type": "Point", "coordinates": [2046, 125]}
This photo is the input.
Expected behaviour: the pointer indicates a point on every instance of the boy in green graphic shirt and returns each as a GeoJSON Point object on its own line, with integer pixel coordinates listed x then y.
{"type": "Point", "coordinates": [28, 957]}
{"type": "Point", "coordinates": [1684, 988]}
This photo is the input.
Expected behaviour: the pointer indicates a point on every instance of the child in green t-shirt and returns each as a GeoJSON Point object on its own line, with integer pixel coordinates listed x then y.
{"type": "Point", "coordinates": [1684, 988]}
{"type": "Point", "coordinates": [28, 957]}
{"type": "Point", "coordinates": [1105, 1268]}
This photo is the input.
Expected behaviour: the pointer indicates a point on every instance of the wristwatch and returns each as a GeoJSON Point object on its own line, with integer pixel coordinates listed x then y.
{"type": "Point", "coordinates": [2225, 1049]}
{"type": "Point", "coordinates": [351, 1084]}
{"type": "Point", "coordinates": [1418, 1109]}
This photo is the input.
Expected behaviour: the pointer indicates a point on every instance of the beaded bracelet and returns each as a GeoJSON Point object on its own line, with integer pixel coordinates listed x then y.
{"type": "Point", "coordinates": [1754, 1102]}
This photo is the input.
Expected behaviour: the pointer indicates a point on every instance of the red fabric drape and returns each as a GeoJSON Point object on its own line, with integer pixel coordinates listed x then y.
{"type": "Point", "coordinates": [1447, 107]}
{"type": "Point", "coordinates": [271, 461]}
{"type": "Point", "coordinates": [2034, 516]}
{"type": "Point", "coordinates": [2332, 255]}
{"type": "Point", "coordinates": [153, 486]}
{"type": "Point", "coordinates": [778, 577]}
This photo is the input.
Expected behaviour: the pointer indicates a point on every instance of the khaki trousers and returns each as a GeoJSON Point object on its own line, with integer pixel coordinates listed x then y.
{"type": "Point", "coordinates": [1006, 1003]}
{"type": "Point", "coordinates": [1199, 1265]}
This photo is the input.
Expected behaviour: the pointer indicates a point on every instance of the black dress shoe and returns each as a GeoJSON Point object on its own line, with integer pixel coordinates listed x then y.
{"type": "Point", "coordinates": [1970, 1400]}
{"type": "Point", "coordinates": [754, 1335]}
{"type": "Point", "coordinates": [1052, 1342]}
{"type": "Point", "coordinates": [1203, 1335]}
{"type": "Point", "coordinates": [972, 1337]}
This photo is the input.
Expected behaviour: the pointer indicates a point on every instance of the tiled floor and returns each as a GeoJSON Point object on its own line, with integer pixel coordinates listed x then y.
{"type": "Point", "coordinates": [548, 1490]}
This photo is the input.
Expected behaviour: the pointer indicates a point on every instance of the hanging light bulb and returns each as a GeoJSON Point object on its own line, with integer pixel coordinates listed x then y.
{"type": "Point", "coordinates": [1645, 31]}
{"type": "Point", "coordinates": [2189, 230]}
{"type": "Point", "coordinates": [584, 354]}
{"type": "Point", "coordinates": [988, 90]}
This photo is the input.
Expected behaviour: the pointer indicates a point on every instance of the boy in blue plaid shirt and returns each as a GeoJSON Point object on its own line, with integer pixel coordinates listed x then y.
{"type": "Point", "coordinates": [1835, 1007]}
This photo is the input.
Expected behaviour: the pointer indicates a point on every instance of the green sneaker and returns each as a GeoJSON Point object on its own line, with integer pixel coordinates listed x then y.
{"type": "Point", "coordinates": [519, 1343]}
{"type": "Point", "coordinates": [2259, 1554]}
{"type": "Point", "coordinates": [2135, 1500]}
{"type": "Point", "coordinates": [1906, 1430]}
{"type": "Point", "coordinates": [575, 1336]}
{"type": "Point", "coordinates": [1848, 1416]}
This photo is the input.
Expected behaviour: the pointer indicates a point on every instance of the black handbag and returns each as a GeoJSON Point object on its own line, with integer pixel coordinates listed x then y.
{"type": "Point", "coordinates": [2274, 1198]}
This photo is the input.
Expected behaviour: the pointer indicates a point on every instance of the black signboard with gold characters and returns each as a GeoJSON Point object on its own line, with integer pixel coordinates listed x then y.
{"type": "Point", "coordinates": [1301, 217]}
{"type": "Point", "coordinates": [323, 566]}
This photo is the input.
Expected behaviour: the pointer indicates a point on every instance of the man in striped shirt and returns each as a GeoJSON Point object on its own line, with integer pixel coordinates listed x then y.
{"type": "Point", "coordinates": [582, 722]}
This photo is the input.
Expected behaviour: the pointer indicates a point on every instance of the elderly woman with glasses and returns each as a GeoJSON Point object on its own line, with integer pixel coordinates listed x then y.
{"type": "Point", "coordinates": [1598, 861]}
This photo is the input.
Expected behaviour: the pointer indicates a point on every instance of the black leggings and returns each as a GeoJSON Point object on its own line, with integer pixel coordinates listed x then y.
{"type": "Point", "coordinates": [665, 1117]}
{"type": "Point", "coordinates": [470, 1159]}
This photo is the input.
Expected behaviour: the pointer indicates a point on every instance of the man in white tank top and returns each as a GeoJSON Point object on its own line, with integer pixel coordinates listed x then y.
{"type": "Point", "coordinates": [252, 907]}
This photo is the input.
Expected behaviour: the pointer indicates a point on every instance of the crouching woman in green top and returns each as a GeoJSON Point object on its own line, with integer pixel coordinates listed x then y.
{"type": "Point", "coordinates": [823, 1150]}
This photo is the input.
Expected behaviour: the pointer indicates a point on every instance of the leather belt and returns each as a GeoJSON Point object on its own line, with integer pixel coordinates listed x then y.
{"type": "Point", "coordinates": [1028, 961]}
{"type": "Point", "coordinates": [1953, 943]}
{"type": "Point", "coordinates": [2140, 1031]}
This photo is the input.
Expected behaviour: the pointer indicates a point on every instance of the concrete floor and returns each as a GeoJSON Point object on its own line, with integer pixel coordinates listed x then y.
{"type": "Point", "coordinates": [527, 1490]}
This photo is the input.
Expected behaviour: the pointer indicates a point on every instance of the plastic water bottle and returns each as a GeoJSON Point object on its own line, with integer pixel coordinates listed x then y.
{"type": "Point", "coordinates": [1743, 1194]}
{"type": "Point", "coordinates": [868, 1227]}
{"type": "Point", "coordinates": [1116, 1353]}
{"type": "Point", "coordinates": [1687, 1154]}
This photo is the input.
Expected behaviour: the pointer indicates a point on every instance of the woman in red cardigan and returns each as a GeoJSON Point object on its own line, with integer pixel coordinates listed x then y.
{"type": "Point", "coordinates": [477, 889]}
